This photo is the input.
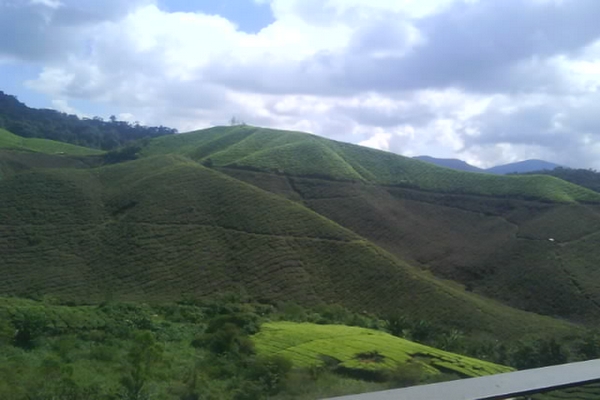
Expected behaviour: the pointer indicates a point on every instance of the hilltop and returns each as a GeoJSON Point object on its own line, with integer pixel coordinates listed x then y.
{"type": "Point", "coordinates": [304, 155]}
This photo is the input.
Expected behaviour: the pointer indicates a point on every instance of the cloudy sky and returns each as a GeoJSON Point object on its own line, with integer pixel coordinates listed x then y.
{"type": "Point", "coordinates": [487, 81]}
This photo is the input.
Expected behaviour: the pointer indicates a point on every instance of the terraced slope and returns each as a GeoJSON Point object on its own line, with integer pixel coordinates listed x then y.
{"type": "Point", "coordinates": [307, 155]}
{"type": "Point", "coordinates": [163, 227]}
{"type": "Point", "coordinates": [361, 349]}
{"type": "Point", "coordinates": [14, 142]}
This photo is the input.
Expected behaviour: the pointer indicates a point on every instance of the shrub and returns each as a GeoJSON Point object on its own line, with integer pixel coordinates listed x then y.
{"type": "Point", "coordinates": [29, 326]}
{"type": "Point", "coordinates": [249, 323]}
{"type": "Point", "coordinates": [227, 339]}
{"type": "Point", "coordinates": [408, 374]}
{"type": "Point", "coordinates": [270, 372]}
{"type": "Point", "coordinates": [143, 358]}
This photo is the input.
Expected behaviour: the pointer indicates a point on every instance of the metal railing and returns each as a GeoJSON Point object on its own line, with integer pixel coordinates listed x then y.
{"type": "Point", "coordinates": [501, 386]}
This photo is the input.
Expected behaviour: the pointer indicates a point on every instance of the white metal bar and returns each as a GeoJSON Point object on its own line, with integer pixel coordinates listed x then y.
{"type": "Point", "coordinates": [500, 386]}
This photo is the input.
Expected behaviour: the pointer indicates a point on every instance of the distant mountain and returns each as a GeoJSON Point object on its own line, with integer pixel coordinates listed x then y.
{"type": "Point", "coordinates": [522, 167]}
{"type": "Point", "coordinates": [453, 163]}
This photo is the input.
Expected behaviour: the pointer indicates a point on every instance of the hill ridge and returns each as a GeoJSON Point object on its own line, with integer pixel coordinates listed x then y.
{"type": "Point", "coordinates": [356, 163]}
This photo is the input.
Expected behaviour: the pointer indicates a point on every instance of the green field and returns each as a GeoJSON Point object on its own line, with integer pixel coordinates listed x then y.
{"type": "Point", "coordinates": [14, 142]}
{"type": "Point", "coordinates": [352, 348]}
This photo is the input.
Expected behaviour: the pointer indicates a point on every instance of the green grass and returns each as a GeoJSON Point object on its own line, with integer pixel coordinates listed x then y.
{"type": "Point", "coordinates": [300, 154]}
{"type": "Point", "coordinates": [306, 345]}
{"type": "Point", "coordinates": [14, 142]}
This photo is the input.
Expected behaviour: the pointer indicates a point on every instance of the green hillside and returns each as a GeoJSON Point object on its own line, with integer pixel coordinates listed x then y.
{"type": "Point", "coordinates": [522, 240]}
{"type": "Point", "coordinates": [497, 247]}
{"type": "Point", "coordinates": [14, 142]}
{"type": "Point", "coordinates": [361, 349]}
{"type": "Point", "coordinates": [307, 155]}
{"type": "Point", "coordinates": [163, 227]}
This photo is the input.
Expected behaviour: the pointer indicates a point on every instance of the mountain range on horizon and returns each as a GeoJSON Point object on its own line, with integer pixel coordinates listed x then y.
{"type": "Point", "coordinates": [525, 166]}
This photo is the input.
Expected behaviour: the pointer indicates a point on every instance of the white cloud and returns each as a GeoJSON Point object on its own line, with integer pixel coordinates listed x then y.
{"type": "Point", "coordinates": [379, 140]}
{"type": "Point", "coordinates": [63, 106]}
{"type": "Point", "coordinates": [48, 3]}
{"type": "Point", "coordinates": [446, 78]}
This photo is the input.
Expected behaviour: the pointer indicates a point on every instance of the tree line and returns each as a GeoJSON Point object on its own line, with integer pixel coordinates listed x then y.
{"type": "Point", "coordinates": [94, 132]}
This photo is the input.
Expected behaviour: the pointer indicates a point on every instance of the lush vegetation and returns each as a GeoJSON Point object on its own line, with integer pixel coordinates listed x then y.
{"type": "Point", "coordinates": [161, 226]}
{"type": "Point", "coordinates": [230, 347]}
{"type": "Point", "coordinates": [95, 133]}
{"type": "Point", "coordinates": [300, 154]}
{"type": "Point", "coordinates": [188, 350]}
{"type": "Point", "coordinates": [299, 223]}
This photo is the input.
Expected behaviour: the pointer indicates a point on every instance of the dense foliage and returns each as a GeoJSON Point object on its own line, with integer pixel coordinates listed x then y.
{"type": "Point", "coordinates": [96, 133]}
{"type": "Point", "coordinates": [222, 348]}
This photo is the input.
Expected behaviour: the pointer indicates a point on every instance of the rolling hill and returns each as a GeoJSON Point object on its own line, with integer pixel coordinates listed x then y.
{"type": "Point", "coordinates": [164, 226]}
{"type": "Point", "coordinates": [291, 216]}
{"type": "Point", "coordinates": [499, 236]}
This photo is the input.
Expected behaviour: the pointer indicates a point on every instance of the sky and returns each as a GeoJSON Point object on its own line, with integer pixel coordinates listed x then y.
{"type": "Point", "coordinates": [486, 81]}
